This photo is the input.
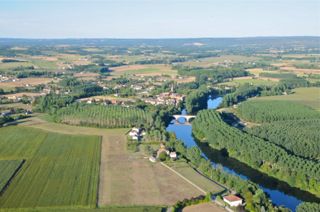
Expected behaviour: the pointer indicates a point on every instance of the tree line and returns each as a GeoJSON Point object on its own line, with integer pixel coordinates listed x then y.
{"type": "Point", "coordinates": [257, 153]}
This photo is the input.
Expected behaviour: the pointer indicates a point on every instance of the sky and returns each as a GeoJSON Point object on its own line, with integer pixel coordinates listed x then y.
{"type": "Point", "coordinates": [158, 18]}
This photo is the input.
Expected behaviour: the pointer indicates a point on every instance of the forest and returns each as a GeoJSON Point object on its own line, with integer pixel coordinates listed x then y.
{"type": "Point", "coordinates": [301, 137]}
{"type": "Point", "coordinates": [308, 207]}
{"type": "Point", "coordinates": [257, 153]}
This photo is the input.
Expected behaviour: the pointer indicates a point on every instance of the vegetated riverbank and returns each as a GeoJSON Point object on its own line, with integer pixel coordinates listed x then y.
{"type": "Point", "coordinates": [255, 152]}
{"type": "Point", "coordinates": [221, 158]}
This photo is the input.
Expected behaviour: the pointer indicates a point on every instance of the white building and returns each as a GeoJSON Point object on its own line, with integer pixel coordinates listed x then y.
{"type": "Point", "coordinates": [173, 155]}
{"type": "Point", "coordinates": [233, 200]}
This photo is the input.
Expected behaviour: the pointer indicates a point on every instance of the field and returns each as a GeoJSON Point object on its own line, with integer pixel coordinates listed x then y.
{"type": "Point", "coordinates": [56, 164]}
{"type": "Point", "coordinates": [144, 70]}
{"type": "Point", "coordinates": [8, 169]}
{"type": "Point", "coordinates": [7, 66]}
{"type": "Point", "coordinates": [243, 80]}
{"type": "Point", "coordinates": [15, 105]}
{"type": "Point", "coordinates": [204, 207]}
{"type": "Point", "coordinates": [213, 61]}
{"type": "Point", "coordinates": [131, 179]}
{"type": "Point", "coordinates": [204, 183]}
{"type": "Point", "coordinates": [86, 76]}
{"type": "Point", "coordinates": [23, 82]}
{"type": "Point", "coordinates": [306, 96]}
{"type": "Point", "coordinates": [127, 178]}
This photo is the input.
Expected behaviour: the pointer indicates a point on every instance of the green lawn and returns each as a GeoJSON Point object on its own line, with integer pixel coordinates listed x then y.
{"type": "Point", "coordinates": [60, 170]}
{"type": "Point", "coordinates": [306, 96]}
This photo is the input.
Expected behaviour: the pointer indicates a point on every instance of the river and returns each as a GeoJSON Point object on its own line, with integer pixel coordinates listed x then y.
{"type": "Point", "coordinates": [279, 192]}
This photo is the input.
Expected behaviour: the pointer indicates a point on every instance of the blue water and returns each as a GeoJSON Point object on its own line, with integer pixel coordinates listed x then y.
{"type": "Point", "coordinates": [184, 133]}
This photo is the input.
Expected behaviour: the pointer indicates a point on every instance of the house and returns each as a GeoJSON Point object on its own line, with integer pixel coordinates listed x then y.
{"type": "Point", "coordinates": [173, 155]}
{"type": "Point", "coordinates": [233, 200]}
{"type": "Point", "coordinates": [136, 133]}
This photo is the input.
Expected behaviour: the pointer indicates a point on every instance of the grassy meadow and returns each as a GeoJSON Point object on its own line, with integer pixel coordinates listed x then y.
{"type": "Point", "coordinates": [306, 96]}
{"type": "Point", "coordinates": [60, 170]}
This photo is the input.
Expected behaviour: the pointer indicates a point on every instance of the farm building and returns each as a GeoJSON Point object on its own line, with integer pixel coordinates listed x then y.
{"type": "Point", "coordinates": [136, 133]}
{"type": "Point", "coordinates": [233, 200]}
{"type": "Point", "coordinates": [173, 155]}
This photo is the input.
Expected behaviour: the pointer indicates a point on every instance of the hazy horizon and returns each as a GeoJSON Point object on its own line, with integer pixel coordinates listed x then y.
{"type": "Point", "coordinates": [153, 19]}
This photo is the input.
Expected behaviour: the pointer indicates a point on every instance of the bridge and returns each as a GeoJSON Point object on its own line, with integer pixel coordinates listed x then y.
{"type": "Point", "coordinates": [186, 117]}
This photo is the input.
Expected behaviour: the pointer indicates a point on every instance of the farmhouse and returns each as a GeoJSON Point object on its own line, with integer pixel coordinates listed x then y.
{"type": "Point", "coordinates": [233, 200]}
{"type": "Point", "coordinates": [173, 155]}
{"type": "Point", "coordinates": [136, 133]}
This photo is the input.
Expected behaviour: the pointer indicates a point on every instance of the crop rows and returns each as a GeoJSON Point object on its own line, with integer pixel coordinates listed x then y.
{"type": "Point", "coordinates": [102, 116]}
{"type": "Point", "coordinates": [63, 170]}
{"type": "Point", "coordinates": [8, 169]}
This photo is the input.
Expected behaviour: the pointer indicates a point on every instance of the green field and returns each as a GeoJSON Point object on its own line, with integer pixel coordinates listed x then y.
{"type": "Point", "coordinates": [8, 169]}
{"type": "Point", "coordinates": [238, 82]}
{"type": "Point", "coordinates": [306, 96]}
{"type": "Point", "coordinates": [60, 170]}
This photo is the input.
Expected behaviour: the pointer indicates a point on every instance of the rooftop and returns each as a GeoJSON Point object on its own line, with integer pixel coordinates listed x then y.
{"type": "Point", "coordinates": [232, 198]}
